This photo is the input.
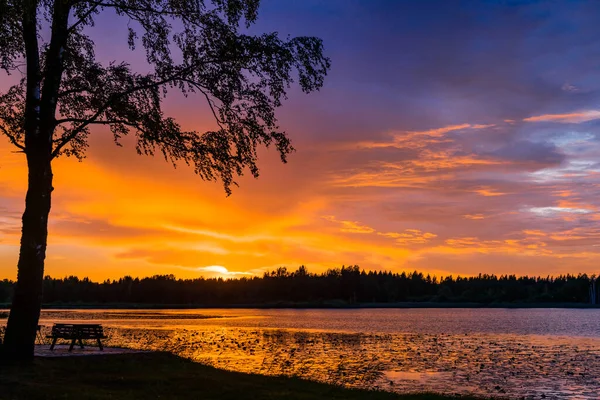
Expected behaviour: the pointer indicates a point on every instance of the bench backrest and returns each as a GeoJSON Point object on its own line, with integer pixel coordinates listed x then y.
{"type": "Point", "coordinates": [90, 330]}
{"type": "Point", "coordinates": [78, 330]}
{"type": "Point", "coordinates": [62, 330]}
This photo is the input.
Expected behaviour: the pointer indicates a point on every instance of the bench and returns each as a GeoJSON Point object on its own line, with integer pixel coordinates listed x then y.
{"type": "Point", "coordinates": [77, 333]}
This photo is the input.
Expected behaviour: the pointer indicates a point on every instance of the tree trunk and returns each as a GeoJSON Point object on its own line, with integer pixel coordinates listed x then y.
{"type": "Point", "coordinates": [40, 122]}
{"type": "Point", "coordinates": [22, 325]}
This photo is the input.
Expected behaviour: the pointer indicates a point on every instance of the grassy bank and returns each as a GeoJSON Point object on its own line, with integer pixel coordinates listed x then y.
{"type": "Point", "coordinates": [164, 376]}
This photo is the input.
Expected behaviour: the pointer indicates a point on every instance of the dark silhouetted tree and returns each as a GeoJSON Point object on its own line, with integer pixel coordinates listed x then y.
{"type": "Point", "coordinates": [346, 286]}
{"type": "Point", "coordinates": [192, 46]}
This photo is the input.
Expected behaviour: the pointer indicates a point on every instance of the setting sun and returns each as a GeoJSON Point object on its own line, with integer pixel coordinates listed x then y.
{"type": "Point", "coordinates": [276, 199]}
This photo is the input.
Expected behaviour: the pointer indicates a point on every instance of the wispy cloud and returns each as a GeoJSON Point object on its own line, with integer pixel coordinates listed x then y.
{"type": "Point", "coordinates": [474, 216]}
{"type": "Point", "coordinates": [409, 236]}
{"type": "Point", "coordinates": [489, 192]}
{"type": "Point", "coordinates": [569, 118]}
{"type": "Point", "coordinates": [350, 226]}
{"type": "Point", "coordinates": [415, 139]}
{"type": "Point", "coordinates": [421, 161]}
{"type": "Point", "coordinates": [550, 211]}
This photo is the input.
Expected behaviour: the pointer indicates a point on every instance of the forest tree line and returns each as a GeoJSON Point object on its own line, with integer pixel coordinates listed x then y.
{"type": "Point", "coordinates": [345, 285]}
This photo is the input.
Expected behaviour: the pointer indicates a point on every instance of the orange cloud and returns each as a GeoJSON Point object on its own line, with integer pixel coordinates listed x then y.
{"type": "Point", "coordinates": [420, 138]}
{"type": "Point", "coordinates": [409, 236]}
{"type": "Point", "coordinates": [534, 232]}
{"type": "Point", "coordinates": [576, 205]}
{"type": "Point", "coordinates": [489, 192]}
{"type": "Point", "coordinates": [350, 226]}
{"type": "Point", "coordinates": [117, 213]}
{"type": "Point", "coordinates": [469, 245]}
{"type": "Point", "coordinates": [442, 131]}
{"type": "Point", "coordinates": [577, 117]}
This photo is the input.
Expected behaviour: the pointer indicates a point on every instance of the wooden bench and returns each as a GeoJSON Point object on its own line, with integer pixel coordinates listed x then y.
{"type": "Point", "coordinates": [77, 333]}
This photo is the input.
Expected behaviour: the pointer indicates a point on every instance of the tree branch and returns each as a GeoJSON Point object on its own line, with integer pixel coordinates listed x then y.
{"type": "Point", "coordinates": [112, 122]}
{"type": "Point", "coordinates": [139, 9]}
{"type": "Point", "coordinates": [115, 97]}
{"type": "Point", "coordinates": [12, 138]}
{"type": "Point", "coordinates": [208, 100]}
{"type": "Point", "coordinates": [73, 91]}
{"type": "Point", "coordinates": [82, 19]}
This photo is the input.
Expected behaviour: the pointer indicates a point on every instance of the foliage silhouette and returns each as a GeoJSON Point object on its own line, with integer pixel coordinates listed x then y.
{"type": "Point", "coordinates": [340, 286]}
{"type": "Point", "coordinates": [197, 47]}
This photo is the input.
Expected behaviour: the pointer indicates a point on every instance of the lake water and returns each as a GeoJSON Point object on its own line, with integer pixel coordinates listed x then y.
{"type": "Point", "coordinates": [515, 353]}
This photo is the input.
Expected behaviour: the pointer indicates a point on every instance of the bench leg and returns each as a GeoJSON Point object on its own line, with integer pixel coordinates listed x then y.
{"type": "Point", "coordinates": [53, 343]}
{"type": "Point", "coordinates": [100, 345]}
{"type": "Point", "coordinates": [72, 344]}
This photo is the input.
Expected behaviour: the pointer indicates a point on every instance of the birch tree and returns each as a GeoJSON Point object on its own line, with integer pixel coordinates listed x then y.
{"type": "Point", "coordinates": [198, 47]}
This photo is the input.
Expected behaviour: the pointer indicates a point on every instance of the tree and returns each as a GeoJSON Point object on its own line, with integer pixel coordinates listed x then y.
{"type": "Point", "coordinates": [192, 46]}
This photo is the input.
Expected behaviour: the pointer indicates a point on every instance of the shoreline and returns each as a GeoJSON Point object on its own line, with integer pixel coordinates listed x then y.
{"type": "Point", "coordinates": [316, 305]}
{"type": "Point", "coordinates": [166, 376]}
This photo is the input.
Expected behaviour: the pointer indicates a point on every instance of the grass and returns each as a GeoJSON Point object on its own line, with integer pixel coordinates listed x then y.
{"type": "Point", "coordinates": [163, 376]}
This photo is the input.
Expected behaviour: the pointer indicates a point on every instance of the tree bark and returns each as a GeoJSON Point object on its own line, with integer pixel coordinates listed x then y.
{"type": "Point", "coordinates": [19, 340]}
{"type": "Point", "coordinates": [40, 122]}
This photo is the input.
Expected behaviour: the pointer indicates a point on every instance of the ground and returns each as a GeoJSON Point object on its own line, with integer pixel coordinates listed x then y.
{"type": "Point", "coordinates": [161, 376]}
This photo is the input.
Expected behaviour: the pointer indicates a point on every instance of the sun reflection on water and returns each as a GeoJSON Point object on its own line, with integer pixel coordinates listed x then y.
{"type": "Point", "coordinates": [491, 364]}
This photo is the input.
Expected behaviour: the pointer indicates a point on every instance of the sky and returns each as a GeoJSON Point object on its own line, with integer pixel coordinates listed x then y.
{"type": "Point", "coordinates": [450, 137]}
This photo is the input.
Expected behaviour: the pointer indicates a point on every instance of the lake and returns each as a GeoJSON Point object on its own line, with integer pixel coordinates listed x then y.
{"type": "Point", "coordinates": [515, 353]}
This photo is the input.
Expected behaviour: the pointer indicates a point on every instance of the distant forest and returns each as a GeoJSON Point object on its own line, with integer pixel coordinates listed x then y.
{"type": "Point", "coordinates": [339, 286]}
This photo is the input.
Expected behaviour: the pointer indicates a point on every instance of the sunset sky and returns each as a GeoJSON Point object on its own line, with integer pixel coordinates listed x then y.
{"type": "Point", "coordinates": [450, 137]}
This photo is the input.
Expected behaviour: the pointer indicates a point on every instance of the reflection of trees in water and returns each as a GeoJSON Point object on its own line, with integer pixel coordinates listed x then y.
{"type": "Point", "coordinates": [121, 315]}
